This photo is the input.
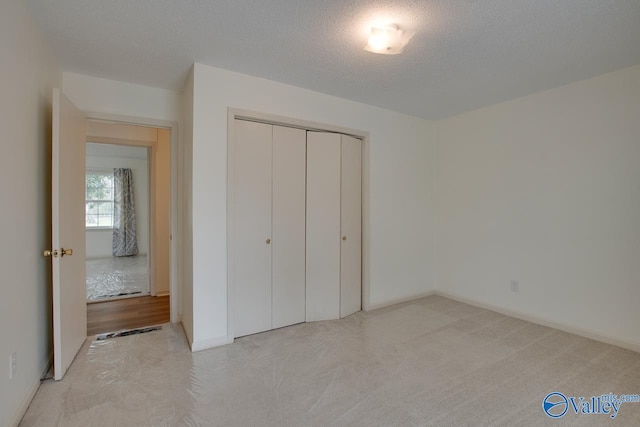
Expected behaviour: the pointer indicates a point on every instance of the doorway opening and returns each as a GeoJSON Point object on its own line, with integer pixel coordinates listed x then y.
{"type": "Point", "coordinates": [127, 223]}
{"type": "Point", "coordinates": [117, 221]}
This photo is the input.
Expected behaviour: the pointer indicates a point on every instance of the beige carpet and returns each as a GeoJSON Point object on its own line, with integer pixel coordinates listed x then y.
{"type": "Point", "coordinates": [432, 362]}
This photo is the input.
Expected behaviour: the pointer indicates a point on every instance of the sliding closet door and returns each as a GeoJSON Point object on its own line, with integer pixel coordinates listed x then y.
{"type": "Point", "coordinates": [323, 226]}
{"type": "Point", "coordinates": [252, 228]}
{"type": "Point", "coordinates": [288, 242]}
{"type": "Point", "coordinates": [351, 214]}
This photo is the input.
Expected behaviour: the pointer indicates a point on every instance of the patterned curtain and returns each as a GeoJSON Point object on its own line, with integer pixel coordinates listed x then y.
{"type": "Point", "coordinates": [124, 214]}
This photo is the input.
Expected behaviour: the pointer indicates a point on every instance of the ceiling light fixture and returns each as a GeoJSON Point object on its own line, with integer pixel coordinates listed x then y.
{"type": "Point", "coordinates": [388, 40]}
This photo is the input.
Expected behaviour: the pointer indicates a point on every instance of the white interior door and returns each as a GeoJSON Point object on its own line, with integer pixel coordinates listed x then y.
{"type": "Point", "coordinates": [68, 233]}
{"type": "Point", "coordinates": [252, 227]}
{"type": "Point", "coordinates": [288, 226]}
{"type": "Point", "coordinates": [323, 226]}
{"type": "Point", "coordinates": [351, 214]}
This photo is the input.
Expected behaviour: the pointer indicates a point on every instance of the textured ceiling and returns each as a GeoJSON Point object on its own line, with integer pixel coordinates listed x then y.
{"type": "Point", "coordinates": [465, 54]}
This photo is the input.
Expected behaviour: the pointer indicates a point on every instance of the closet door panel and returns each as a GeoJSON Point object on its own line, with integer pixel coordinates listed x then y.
{"type": "Point", "coordinates": [351, 219]}
{"type": "Point", "coordinates": [323, 226]}
{"type": "Point", "coordinates": [288, 242]}
{"type": "Point", "coordinates": [252, 227]}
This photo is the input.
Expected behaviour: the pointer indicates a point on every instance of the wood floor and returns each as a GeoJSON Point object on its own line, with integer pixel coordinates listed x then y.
{"type": "Point", "coordinates": [111, 316]}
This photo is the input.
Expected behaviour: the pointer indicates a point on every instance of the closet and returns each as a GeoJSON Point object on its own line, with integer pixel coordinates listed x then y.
{"type": "Point", "coordinates": [296, 229]}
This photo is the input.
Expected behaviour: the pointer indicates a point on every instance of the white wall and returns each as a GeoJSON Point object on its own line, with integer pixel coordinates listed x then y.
{"type": "Point", "coordinates": [29, 73]}
{"type": "Point", "coordinates": [400, 203]}
{"type": "Point", "coordinates": [92, 94]}
{"type": "Point", "coordinates": [99, 242]}
{"type": "Point", "coordinates": [542, 190]}
{"type": "Point", "coordinates": [545, 190]}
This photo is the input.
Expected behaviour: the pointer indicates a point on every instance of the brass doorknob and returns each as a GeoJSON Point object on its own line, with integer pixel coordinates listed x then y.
{"type": "Point", "coordinates": [53, 253]}
{"type": "Point", "coordinates": [268, 241]}
{"type": "Point", "coordinates": [64, 252]}
{"type": "Point", "coordinates": [344, 237]}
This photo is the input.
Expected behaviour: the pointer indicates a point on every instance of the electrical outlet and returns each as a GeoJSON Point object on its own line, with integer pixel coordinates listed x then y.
{"type": "Point", "coordinates": [515, 286]}
{"type": "Point", "coordinates": [12, 365]}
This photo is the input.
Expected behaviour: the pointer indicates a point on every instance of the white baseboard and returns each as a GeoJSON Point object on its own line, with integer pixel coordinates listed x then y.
{"type": "Point", "coordinates": [371, 307]}
{"type": "Point", "coordinates": [31, 393]}
{"type": "Point", "coordinates": [629, 345]}
{"type": "Point", "coordinates": [210, 343]}
{"type": "Point", "coordinates": [163, 293]}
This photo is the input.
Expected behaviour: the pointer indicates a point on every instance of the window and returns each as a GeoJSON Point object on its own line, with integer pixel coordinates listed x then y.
{"type": "Point", "coordinates": [99, 199]}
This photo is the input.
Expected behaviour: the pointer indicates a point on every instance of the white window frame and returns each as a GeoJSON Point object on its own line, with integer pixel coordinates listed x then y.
{"type": "Point", "coordinates": [97, 171]}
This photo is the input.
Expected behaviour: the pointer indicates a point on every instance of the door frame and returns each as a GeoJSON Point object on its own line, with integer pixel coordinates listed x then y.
{"type": "Point", "coordinates": [174, 296]}
{"type": "Point", "coordinates": [272, 119]}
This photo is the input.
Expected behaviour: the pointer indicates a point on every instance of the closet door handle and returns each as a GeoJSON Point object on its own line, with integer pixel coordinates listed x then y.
{"type": "Point", "coordinates": [268, 241]}
{"type": "Point", "coordinates": [344, 237]}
